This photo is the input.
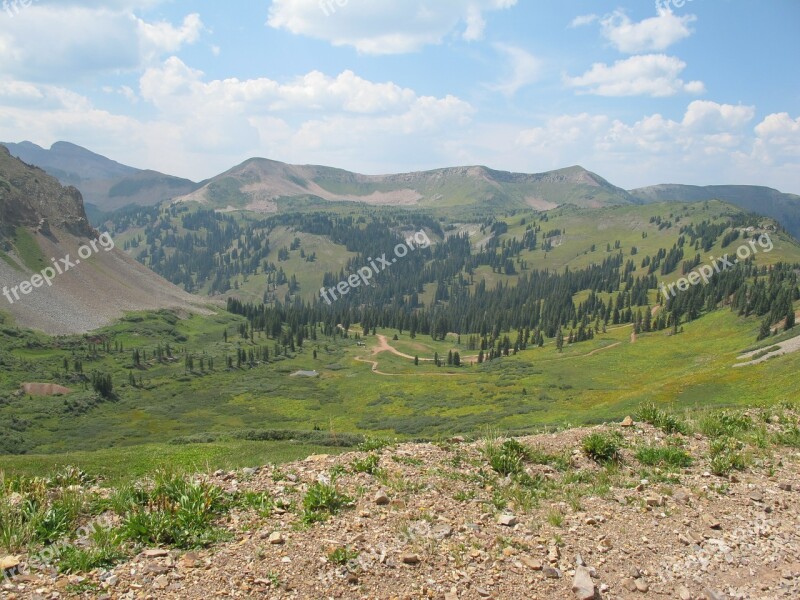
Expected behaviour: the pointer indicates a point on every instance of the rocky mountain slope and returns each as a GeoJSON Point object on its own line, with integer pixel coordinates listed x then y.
{"type": "Point", "coordinates": [104, 183]}
{"type": "Point", "coordinates": [43, 223]}
{"type": "Point", "coordinates": [540, 517]}
{"type": "Point", "coordinates": [258, 183]}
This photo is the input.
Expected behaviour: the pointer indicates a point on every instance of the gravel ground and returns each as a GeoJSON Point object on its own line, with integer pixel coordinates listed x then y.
{"type": "Point", "coordinates": [431, 526]}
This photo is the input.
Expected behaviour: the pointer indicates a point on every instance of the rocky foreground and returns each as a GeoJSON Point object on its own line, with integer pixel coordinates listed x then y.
{"type": "Point", "coordinates": [438, 521]}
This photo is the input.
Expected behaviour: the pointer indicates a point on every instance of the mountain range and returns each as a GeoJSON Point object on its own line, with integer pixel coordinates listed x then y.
{"type": "Point", "coordinates": [259, 185]}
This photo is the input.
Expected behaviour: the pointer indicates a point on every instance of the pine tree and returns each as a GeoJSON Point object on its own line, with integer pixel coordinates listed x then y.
{"type": "Point", "coordinates": [764, 332]}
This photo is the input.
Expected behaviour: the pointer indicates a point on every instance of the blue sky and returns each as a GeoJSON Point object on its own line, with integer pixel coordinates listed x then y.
{"type": "Point", "coordinates": [641, 92]}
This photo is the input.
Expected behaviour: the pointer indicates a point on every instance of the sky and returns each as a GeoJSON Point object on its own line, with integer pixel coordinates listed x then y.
{"type": "Point", "coordinates": [639, 91]}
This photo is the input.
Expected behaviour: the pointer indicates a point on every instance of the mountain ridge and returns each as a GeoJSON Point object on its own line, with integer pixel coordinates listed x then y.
{"type": "Point", "coordinates": [40, 219]}
{"type": "Point", "coordinates": [259, 184]}
{"type": "Point", "coordinates": [764, 200]}
{"type": "Point", "coordinates": [103, 182]}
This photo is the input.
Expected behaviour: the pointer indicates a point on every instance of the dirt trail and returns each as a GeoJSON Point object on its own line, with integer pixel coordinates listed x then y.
{"type": "Point", "coordinates": [384, 346]}
{"type": "Point", "coordinates": [785, 347]}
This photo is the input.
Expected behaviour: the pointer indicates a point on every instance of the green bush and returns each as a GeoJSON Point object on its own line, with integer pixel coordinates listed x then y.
{"type": "Point", "coordinates": [368, 464]}
{"type": "Point", "coordinates": [666, 422]}
{"type": "Point", "coordinates": [342, 555]}
{"type": "Point", "coordinates": [322, 500]}
{"type": "Point", "coordinates": [724, 423]}
{"type": "Point", "coordinates": [726, 454]}
{"type": "Point", "coordinates": [669, 456]}
{"type": "Point", "coordinates": [602, 448]}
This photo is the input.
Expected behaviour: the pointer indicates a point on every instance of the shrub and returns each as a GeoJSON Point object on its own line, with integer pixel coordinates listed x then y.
{"type": "Point", "coordinates": [107, 549]}
{"type": "Point", "coordinates": [724, 424]}
{"type": "Point", "coordinates": [321, 501]}
{"type": "Point", "coordinates": [342, 555]}
{"type": "Point", "coordinates": [669, 456]}
{"type": "Point", "coordinates": [666, 422]}
{"type": "Point", "coordinates": [178, 513]}
{"type": "Point", "coordinates": [602, 447]}
{"type": "Point", "coordinates": [727, 454]}
{"type": "Point", "coordinates": [368, 464]}
{"type": "Point", "coordinates": [789, 437]}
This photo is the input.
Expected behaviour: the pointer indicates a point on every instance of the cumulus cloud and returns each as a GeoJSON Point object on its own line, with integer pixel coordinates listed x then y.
{"type": "Point", "coordinates": [198, 126]}
{"type": "Point", "coordinates": [644, 75]}
{"type": "Point", "coordinates": [72, 40]}
{"type": "Point", "coordinates": [381, 27]}
{"type": "Point", "coordinates": [653, 34]}
{"type": "Point", "coordinates": [711, 143]}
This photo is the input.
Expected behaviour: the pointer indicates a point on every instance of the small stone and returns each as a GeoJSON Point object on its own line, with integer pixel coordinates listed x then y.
{"type": "Point", "coordinates": [381, 499]}
{"type": "Point", "coordinates": [161, 582]}
{"type": "Point", "coordinates": [441, 532]}
{"type": "Point", "coordinates": [627, 421]}
{"type": "Point", "coordinates": [629, 584]}
{"type": "Point", "coordinates": [551, 573]}
{"type": "Point", "coordinates": [155, 553]}
{"type": "Point", "coordinates": [352, 578]}
{"type": "Point", "coordinates": [451, 596]}
{"type": "Point", "coordinates": [710, 521]}
{"type": "Point", "coordinates": [786, 487]}
{"type": "Point", "coordinates": [553, 554]}
{"type": "Point", "coordinates": [483, 593]}
{"type": "Point", "coordinates": [634, 572]}
{"type": "Point", "coordinates": [684, 593]}
{"type": "Point", "coordinates": [653, 501]}
{"type": "Point", "coordinates": [531, 563]}
{"type": "Point", "coordinates": [507, 520]}
{"type": "Point", "coordinates": [7, 563]}
{"type": "Point", "coordinates": [756, 496]}
{"type": "Point", "coordinates": [642, 585]}
{"type": "Point", "coordinates": [681, 496]}
{"type": "Point", "coordinates": [408, 558]}
{"type": "Point", "coordinates": [582, 584]}
{"type": "Point", "coordinates": [249, 471]}
{"type": "Point", "coordinates": [713, 594]}
{"type": "Point", "coordinates": [276, 538]}
{"type": "Point", "coordinates": [316, 458]}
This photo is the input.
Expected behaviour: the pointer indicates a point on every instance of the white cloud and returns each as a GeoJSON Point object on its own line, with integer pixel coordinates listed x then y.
{"type": "Point", "coordinates": [74, 40]}
{"type": "Point", "coordinates": [649, 74]}
{"type": "Point", "coordinates": [653, 34]}
{"type": "Point", "coordinates": [582, 20]}
{"type": "Point", "coordinates": [711, 143]}
{"type": "Point", "coordinates": [778, 143]}
{"type": "Point", "coordinates": [384, 28]}
{"type": "Point", "coordinates": [162, 37]}
{"type": "Point", "coordinates": [524, 69]}
{"type": "Point", "coordinates": [199, 127]}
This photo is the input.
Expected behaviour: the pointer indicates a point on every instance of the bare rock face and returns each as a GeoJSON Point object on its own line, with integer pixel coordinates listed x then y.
{"type": "Point", "coordinates": [582, 584]}
{"type": "Point", "coordinates": [29, 197]}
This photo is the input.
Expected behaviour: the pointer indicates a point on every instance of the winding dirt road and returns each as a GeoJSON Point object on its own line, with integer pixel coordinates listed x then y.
{"type": "Point", "coordinates": [384, 346]}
